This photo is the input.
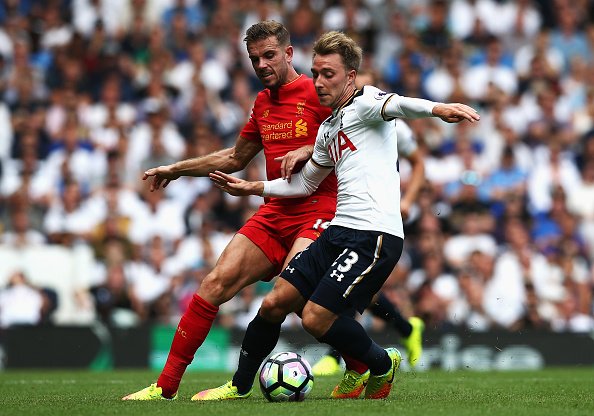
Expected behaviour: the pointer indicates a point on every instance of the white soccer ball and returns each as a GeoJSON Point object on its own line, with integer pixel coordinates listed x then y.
{"type": "Point", "coordinates": [286, 377]}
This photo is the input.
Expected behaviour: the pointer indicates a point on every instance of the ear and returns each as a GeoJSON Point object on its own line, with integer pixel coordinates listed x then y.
{"type": "Point", "coordinates": [351, 76]}
{"type": "Point", "coordinates": [289, 53]}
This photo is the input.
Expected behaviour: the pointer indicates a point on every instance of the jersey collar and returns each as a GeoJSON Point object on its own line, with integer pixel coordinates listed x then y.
{"type": "Point", "coordinates": [348, 102]}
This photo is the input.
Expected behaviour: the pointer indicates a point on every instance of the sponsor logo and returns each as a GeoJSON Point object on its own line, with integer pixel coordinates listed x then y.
{"type": "Point", "coordinates": [277, 131]}
{"type": "Point", "coordinates": [339, 145]}
{"type": "Point", "coordinates": [300, 128]}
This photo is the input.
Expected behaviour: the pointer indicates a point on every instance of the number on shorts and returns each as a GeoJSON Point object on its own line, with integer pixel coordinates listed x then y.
{"type": "Point", "coordinates": [321, 224]}
{"type": "Point", "coordinates": [345, 266]}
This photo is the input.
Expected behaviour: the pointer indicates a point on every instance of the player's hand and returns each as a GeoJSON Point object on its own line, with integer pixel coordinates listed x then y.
{"type": "Point", "coordinates": [291, 159]}
{"type": "Point", "coordinates": [404, 209]}
{"type": "Point", "coordinates": [455, 113]}
{"type": "Point", "coordinates": [162, 175]}
{"type": "Point", "coordinates": [235, 186]}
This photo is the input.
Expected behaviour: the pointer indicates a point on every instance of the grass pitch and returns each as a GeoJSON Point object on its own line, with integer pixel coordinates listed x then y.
{"type": "Point", "coordinates": [547, 392]}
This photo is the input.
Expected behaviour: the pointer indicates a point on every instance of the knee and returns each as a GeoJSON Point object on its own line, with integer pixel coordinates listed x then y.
{"type": "Point", "coordinates": [312, 323]}
{"type": "Point", "coordinates": [273, 308]}
{"type": "Point", "coordinates": [217, 288]}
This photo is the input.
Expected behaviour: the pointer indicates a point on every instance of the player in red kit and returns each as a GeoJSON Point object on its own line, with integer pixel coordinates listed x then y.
{"type": "Point", "coordinates": [284, 123]}
{"type": "Point", "coordinates": [282, 120]}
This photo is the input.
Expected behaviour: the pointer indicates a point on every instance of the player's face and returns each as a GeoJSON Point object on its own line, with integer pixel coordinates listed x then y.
{"type": "Point", "coordinates": [334, 84]}
{"type": "Point", "coordinates": [271, 61]}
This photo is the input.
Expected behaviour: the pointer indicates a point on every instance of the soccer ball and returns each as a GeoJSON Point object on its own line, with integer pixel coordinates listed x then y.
{"type": "Point", "coordinates": [286, 377]}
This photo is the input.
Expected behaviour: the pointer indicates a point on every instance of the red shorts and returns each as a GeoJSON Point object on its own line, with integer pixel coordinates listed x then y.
{"type": "Point", "coordinates": [274, 228]}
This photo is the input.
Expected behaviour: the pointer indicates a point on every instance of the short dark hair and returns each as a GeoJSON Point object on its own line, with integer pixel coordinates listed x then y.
{"type": "Point", "coordinates": [337, 42]}
{"type": "Point", "coordinates": [266, 29]}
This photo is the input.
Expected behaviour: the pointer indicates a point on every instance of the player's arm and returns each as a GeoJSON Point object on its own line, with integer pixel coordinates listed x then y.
{"type": "Point", "coordinates": [417, 178]}
{"type": "Point", "coordinates": [291, 159]}
{"type": "Point", "coordinates": [303, 183]}
{"type": "Point", "coordinates": [408, 107]}
{"type": "Point", "coordinates": [227, 160]}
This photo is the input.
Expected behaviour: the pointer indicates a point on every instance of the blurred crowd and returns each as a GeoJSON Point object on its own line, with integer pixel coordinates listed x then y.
{"type": "Point", "coordinates": [96, 91]}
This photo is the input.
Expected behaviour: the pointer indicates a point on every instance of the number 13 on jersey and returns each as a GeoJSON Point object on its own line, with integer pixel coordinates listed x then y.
{"type": "Point", "coordinates": [343, 265]}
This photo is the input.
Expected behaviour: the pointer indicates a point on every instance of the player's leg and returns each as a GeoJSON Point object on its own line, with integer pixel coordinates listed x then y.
{"type": "Point", "coordinates": [241, 264]}
{"type": "Point", "coordinates": [260, 338]}
{"type": "Point", "coordinates": [263, 332]}
{"type": "Point", "coordinates": [299, 228]}
{"type": "Point", "coordinates": [261, 335]}
{"type": "Point", "coordinates": [340, 331]}
{"type": "Point", "coordinates": [411, 330]}
{"type": "Point", "coordinates": [382, 308]}
{"type": "Point", "coordinates": [350, 282]}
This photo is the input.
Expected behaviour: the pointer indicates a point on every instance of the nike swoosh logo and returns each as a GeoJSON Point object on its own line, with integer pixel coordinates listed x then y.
{"type": "Point", "coordinates": [393, 372]}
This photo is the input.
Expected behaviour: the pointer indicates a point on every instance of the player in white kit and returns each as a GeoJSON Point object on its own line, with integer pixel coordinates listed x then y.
{"type": "Point", "coordinates": [351, 260]}
{"type": "Point", "coordinates": [410, 330]}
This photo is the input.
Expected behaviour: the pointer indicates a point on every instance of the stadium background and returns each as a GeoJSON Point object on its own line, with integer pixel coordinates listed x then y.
{"type": "Point", "coordinates": [500, 246]}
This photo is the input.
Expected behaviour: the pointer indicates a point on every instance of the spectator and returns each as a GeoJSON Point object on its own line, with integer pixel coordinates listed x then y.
{"type": "Point", "coordinates": [153, 141]}
{"type": "Point", "coordinates": [467, 309]}
{"type": "Point", "coordinates": [508, 180]}
{"type": "Point", "coordinates": [191, 11]}
{"type": "Point", "coordinates": [199, 73]}
{"type": "Point", "coordinates": [519, 267]}
{"type": "Point", "coordinates": [159, 217]}
{"type": "Point", "coordinates": [580, 202]}
{"type": "Point", "coordinates": [468, 17]}
{"type": "Point", "coordinates": [434, 289]}
{"type": "Point", "coordinates": [151, 282]}
{"type": "Point", "coordinates": [21, 235]}
{"type": "Point", "coordinates": [114, 300]}
{"type": "Point", "coordinates": [471, 237]}
{"type": "Point", "coordinates": [67, 221]}
{"type": "Point", "coordinates": [554, 169]}
{"type": "Point", "coordinates": [23, 304]}
{"type": "Point", "coordinates": [444, 83]}
{"type": "Point", "coordinates": [479, 80]}
{"type": "Point", "coordinates": [517, 21]}
{"type": "Point", "coordinates": [114, 14]}
{"type": "Point", "coordinates": [567, 37]}
{"type": "Point", "coordinates": [549, 58]}
{"type": "Point", "coordinates": [110, 116]}
{"type": "Point", "coordinates": [435, 37]}
{"type": "Point", "coordinates": [74, 157]}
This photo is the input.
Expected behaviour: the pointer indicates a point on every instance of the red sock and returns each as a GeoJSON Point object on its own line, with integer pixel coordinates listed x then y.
{"type": "Point", "coordinates": [193, 328]}
{"type": "Point", "coordinates": [355, 365]}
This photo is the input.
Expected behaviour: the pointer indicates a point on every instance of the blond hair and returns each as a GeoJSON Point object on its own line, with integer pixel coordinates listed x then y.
{"type": "Point", "coordinates": [341, 44]}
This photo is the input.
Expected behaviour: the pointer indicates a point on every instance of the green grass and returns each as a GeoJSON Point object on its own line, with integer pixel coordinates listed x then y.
{"type": "Point", "coordinates": [547, 392]}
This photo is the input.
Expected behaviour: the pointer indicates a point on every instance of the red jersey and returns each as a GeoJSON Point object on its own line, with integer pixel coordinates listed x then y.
{"type": "Point", "coordinates": [287, 119]}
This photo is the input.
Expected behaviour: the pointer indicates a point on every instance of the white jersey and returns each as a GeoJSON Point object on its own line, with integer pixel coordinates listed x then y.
{"type": "Point", "coordinates": [362, 147]}
{"type": "Point", "coordinates": [407, 144]}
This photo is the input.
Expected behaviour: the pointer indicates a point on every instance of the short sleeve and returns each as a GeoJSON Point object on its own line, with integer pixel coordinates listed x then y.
{"type": "Point", "coordinates": [251, 131]}
{"type": "Point", "coordinates": [370, 105]}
